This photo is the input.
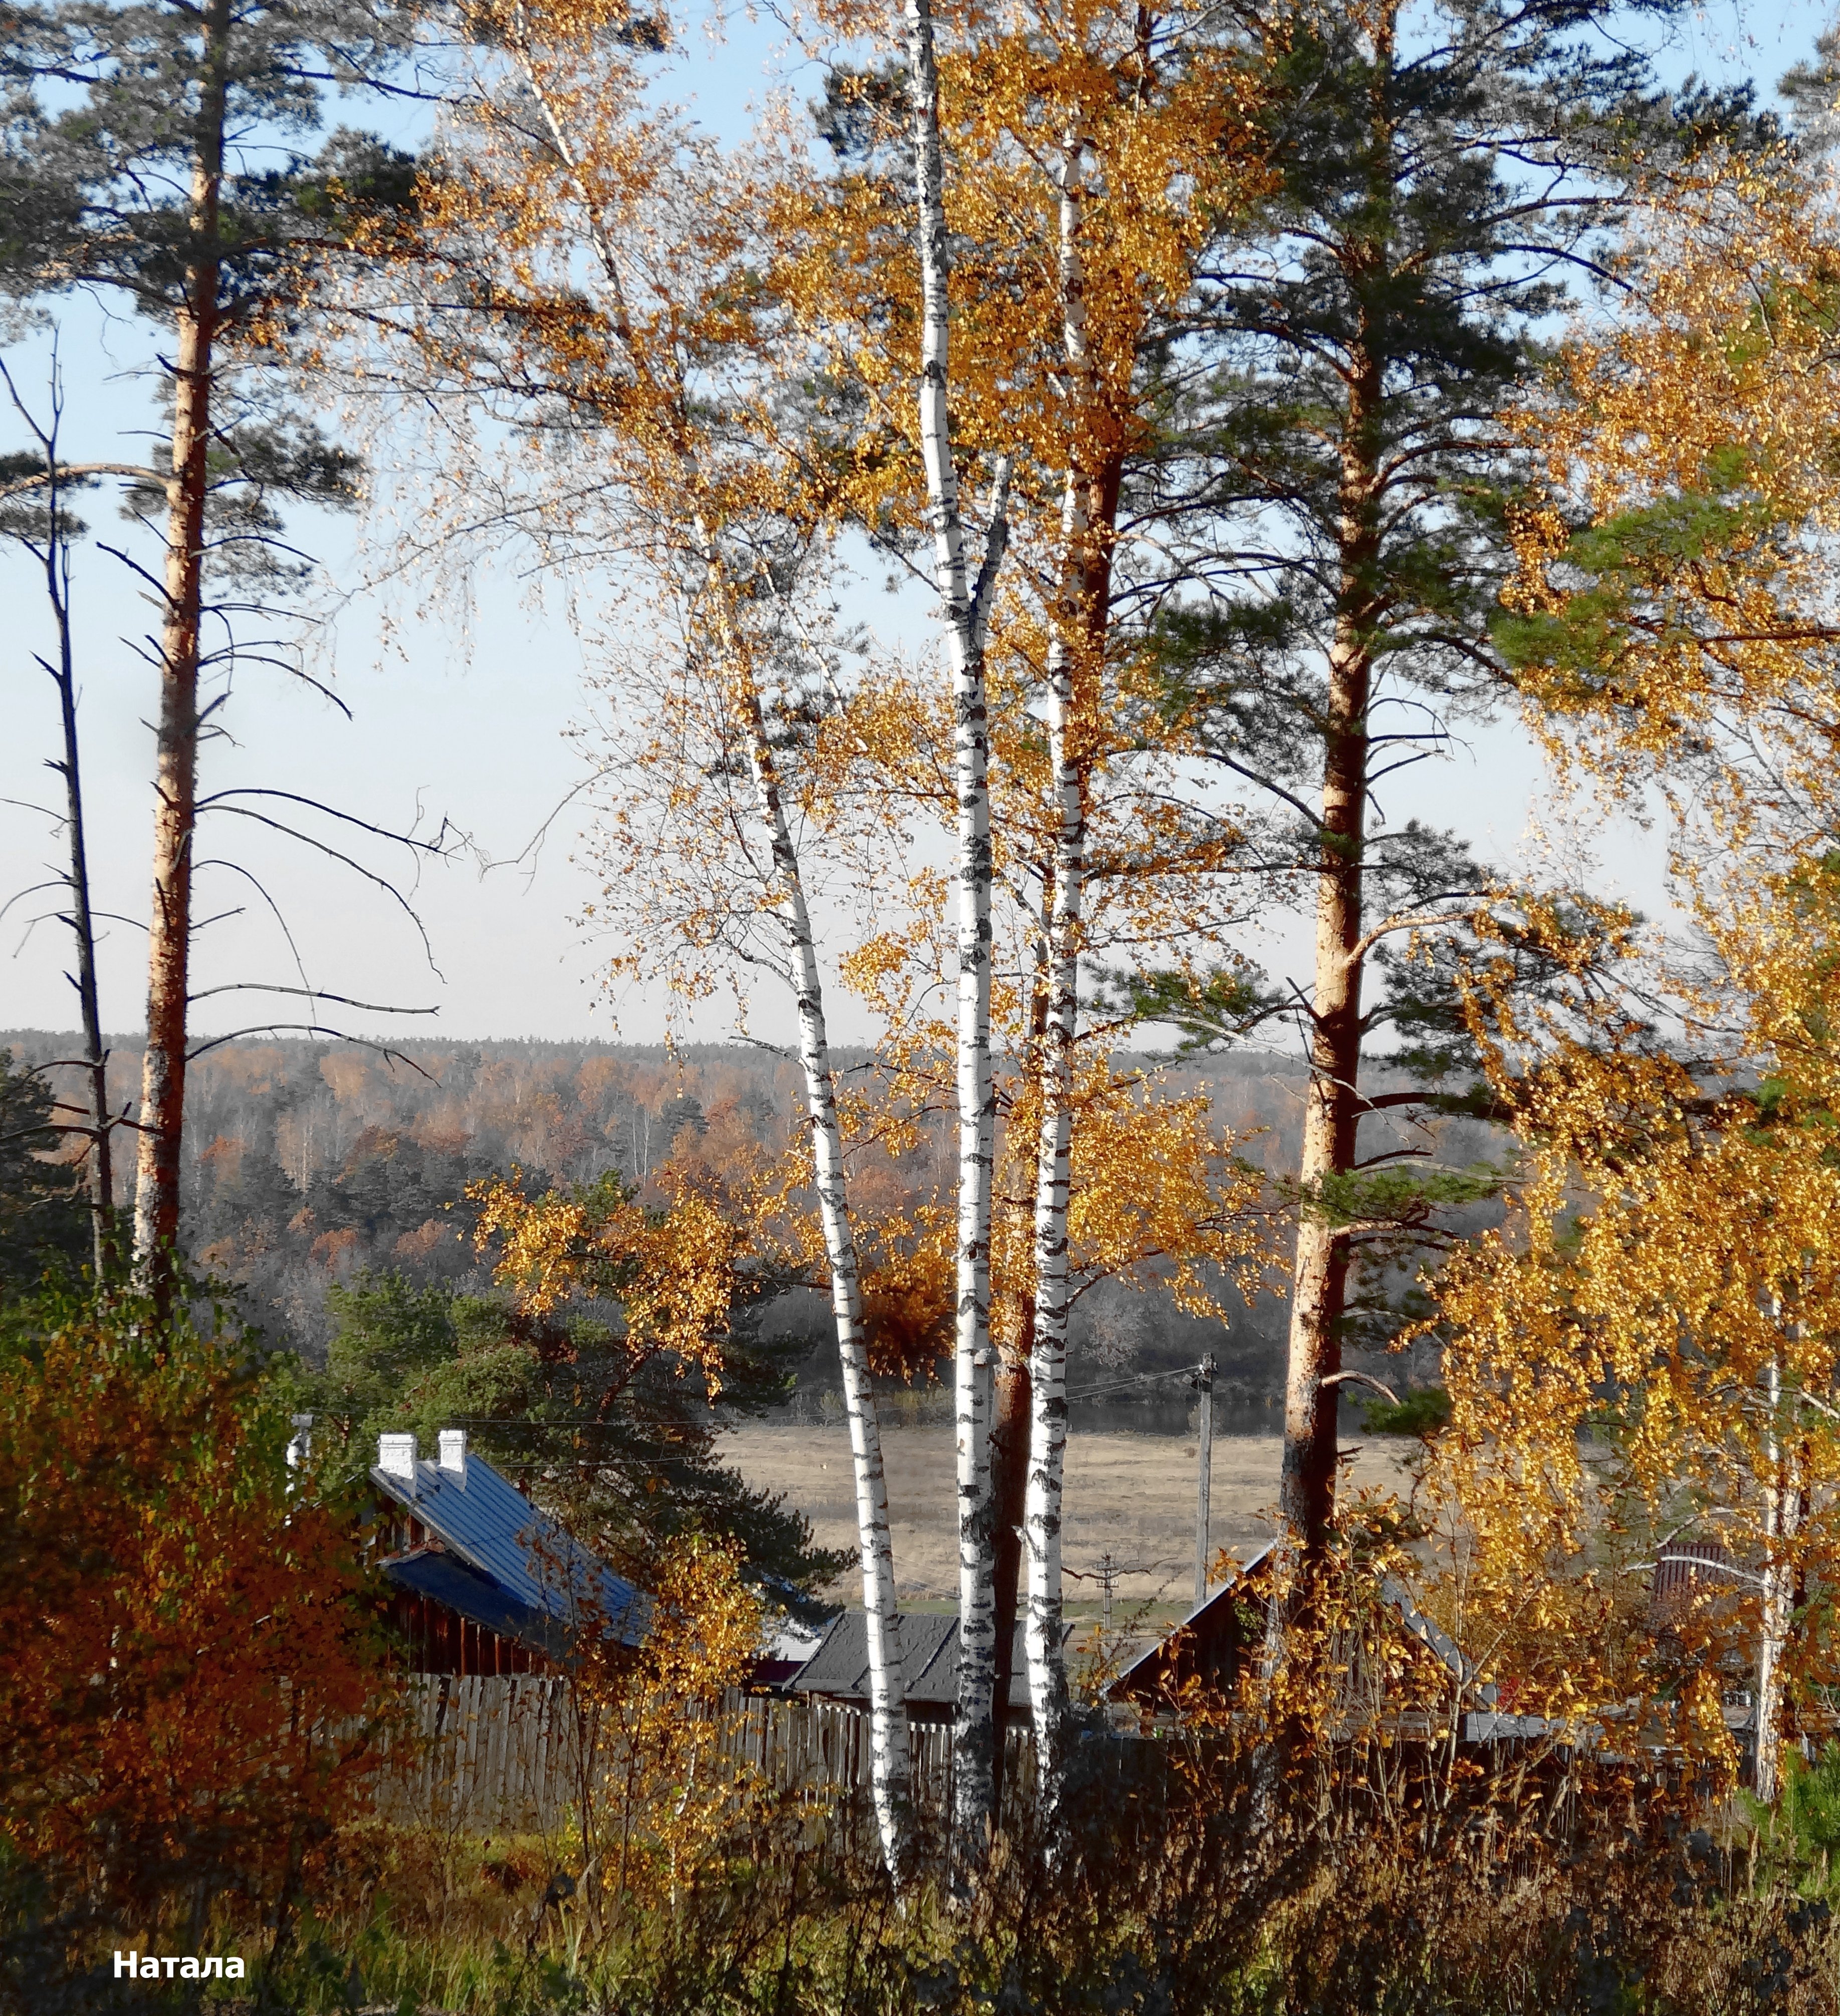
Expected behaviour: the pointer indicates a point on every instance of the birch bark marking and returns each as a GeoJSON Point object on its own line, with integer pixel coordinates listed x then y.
{"type": "Point", "coordinates": [162, 1066]}
{"type": "Point", "coordinates": [1082, 605]}
{"type": "Point", "coordinates": [973, 1781]}
{"type": "Point", "coordinates": [1782, 1509]}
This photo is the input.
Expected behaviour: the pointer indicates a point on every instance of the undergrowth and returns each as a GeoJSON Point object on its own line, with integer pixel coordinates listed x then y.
{"type": "Point", "coordinates": [1623, 1919]}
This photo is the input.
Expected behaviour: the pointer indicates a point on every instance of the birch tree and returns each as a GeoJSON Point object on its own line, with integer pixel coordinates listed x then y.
{"type": "Point", "coordinates": [1084, 154]}
{"type": "Point", "coordinates": [1672, 626]}
{"type": "Point", "coordinates": [965, 600]}
{"type": "Point", "coordinates": [665, 392]}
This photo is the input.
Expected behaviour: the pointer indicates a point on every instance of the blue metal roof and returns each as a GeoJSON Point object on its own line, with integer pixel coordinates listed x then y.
{"type": "Point", "coordinates": [491, 1524]}
{"type": "Point", "coordinates": [457, 1585]}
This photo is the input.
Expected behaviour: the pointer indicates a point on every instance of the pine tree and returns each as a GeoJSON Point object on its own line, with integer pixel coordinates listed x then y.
{"type": "Point", "coordinates": [1335, 490]}
{"type": "Point", "coordinates": [141, 167]}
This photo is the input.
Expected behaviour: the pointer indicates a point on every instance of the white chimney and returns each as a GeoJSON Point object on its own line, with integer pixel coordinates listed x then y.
{"type": "Point", "coordinates": [396, 1457]}
{"type": "Point", "coordinates": [453, 1457]}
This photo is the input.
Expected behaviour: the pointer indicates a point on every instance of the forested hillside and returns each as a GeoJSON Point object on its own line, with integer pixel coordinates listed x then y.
{"type": "Point", "coordinates": [308, 1165]}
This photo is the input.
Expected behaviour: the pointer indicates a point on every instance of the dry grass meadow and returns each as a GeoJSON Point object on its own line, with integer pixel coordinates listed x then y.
{"type": "Point", "coordinates": [1131, 1495]}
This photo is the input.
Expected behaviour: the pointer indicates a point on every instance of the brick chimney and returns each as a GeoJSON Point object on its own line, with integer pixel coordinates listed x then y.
{"type": "Point", "coordinates": [453, 1457]}
{"type": "Point", "coordinates": [396, 1457]}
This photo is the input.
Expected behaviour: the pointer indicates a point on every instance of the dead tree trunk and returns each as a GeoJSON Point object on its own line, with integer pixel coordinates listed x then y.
{"type": "Point", "coordinates": [95, 1056]}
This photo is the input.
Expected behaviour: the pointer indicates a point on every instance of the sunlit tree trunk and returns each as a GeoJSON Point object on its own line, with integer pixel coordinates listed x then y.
{"type": "Point", "coordinates": [162, 1069]}
{"type": "Point", "coordinates": [1009, 1486]}
{"type": "Point", "coordinates": [892, 1770]}
{"type": "Point", "coordinates": [1782, 1515]}
{"type": "Point", "coordinates": [964, 604]}
{"type": "Point", "coordinates": [1079, 630]}
{"type": "Point", "coordinates": [1307, 1493]}
{"type": "Point", "coordinates": [891, 1767]}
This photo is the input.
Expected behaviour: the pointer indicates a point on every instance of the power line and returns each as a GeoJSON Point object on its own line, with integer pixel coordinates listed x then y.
{"type": "Point", "coordinates": [1139, 1379]}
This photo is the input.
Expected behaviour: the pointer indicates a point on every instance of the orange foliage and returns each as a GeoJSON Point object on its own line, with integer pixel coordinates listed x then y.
{"type": "Point", "coordinates": [672, 1271]}
{"type": "Point", "coordinates": [176, 1627]}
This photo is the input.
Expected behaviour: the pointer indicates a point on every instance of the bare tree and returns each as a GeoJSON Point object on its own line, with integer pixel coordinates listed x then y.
{"type": "Point", "coordinates": [39, 519]}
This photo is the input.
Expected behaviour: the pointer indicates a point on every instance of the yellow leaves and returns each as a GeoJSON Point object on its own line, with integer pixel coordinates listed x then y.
{"type": "Point", "coordinates": [672, 1271]}
{"type": "Point", "coordinates": [1157, 1197]}
{"type": "Point", "coordinates": [909, 1289]}
{"type": "Point", "coordinates": [1674, 572]}
{"type": "Point", "coordinates": [1037, 101]}
{"type": "Point", "coordinates": [667, 1798]}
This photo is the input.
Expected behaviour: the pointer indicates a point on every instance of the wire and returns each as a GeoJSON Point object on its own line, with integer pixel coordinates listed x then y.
{"type": "Point", "coordinates": [1139, 1379]}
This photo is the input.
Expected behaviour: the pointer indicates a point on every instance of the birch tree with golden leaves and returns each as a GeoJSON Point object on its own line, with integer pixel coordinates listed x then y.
{"type": "Point", "coordinates": [605, 254]}
{"type": "Point", "coordinates": [1643, 1377]}
{"type": "Point", "coordinates": [1074, 159]}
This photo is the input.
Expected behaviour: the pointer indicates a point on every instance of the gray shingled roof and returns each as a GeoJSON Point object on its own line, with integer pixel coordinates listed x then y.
{"type": "Point", "coordinates": [929, 1661]}
{"type": "Point", "coordinates": [493, 1527]}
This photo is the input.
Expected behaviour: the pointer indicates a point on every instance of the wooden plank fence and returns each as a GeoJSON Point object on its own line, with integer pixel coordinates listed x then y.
{"type": "Point", "coordinates": [510, 1752]}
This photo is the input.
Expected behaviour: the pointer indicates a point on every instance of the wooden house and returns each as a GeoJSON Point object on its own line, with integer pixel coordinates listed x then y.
{"type": "Point", "coordinates": [481, 1580]}
{"type": "Point", "coordinates": [1215, 1643]}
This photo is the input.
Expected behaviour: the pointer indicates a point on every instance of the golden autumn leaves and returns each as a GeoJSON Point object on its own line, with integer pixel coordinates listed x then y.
{"type": "Point", "coordinates": [1644, 1358]}
{"type": "Point", "coordinates": [1159, 1196]}
{"type": "Point", "coordinates": [720, 351]}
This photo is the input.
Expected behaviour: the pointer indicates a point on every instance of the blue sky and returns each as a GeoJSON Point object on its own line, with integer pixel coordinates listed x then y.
{"type": "Point", "coordinates": [463, 715]}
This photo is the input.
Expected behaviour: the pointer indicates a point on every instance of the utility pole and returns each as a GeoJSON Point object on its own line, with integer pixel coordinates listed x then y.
{"type": "Point", "coordinates": [1105, 1582]}
{"type": "Point", "coordinates": [1203, 1472]}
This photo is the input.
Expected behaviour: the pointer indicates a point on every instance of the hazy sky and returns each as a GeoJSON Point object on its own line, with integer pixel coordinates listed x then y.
{"type": "Point", "coordinates": [463, 715]}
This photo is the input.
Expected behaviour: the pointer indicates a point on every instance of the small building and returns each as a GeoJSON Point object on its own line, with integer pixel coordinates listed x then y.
{"type": "Point", "coordinates": [1214, 1643]}
{"type": "Point", "coordinates": [838, 1670]}
{"type": "Point", "coordinates": [1209, 1645]}
{"type": "Point", "coordinates": [481, 1582]}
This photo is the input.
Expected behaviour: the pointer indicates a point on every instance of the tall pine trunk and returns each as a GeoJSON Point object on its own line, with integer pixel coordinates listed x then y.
{"type": "Point", "coordinates": [162, 1069]}
{"type": "Point", "coordinates": [964, 605]}
{"type": "Point", "coordinates": [1306, 1493]}
{"type": "Point", "coordinates": [1306, 1497]}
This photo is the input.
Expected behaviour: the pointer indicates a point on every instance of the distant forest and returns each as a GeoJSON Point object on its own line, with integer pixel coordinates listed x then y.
{"type": "Point", "coordinates": [309, 1164]}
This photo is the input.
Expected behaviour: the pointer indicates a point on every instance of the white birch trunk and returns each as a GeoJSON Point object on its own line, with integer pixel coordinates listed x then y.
{"type": "Point", "coordinates": [1782, 1509]}
{"type": "Point", "coordinates": [1047, 1444]}
{"type": "Point", "coordinates": [890, 1762]}
{"type": "Point", "coordinates": [964, 605]}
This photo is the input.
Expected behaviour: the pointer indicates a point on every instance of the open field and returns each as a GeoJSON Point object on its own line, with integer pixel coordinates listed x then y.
{"type": "Point", "coordinates": [1130, 1495]}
